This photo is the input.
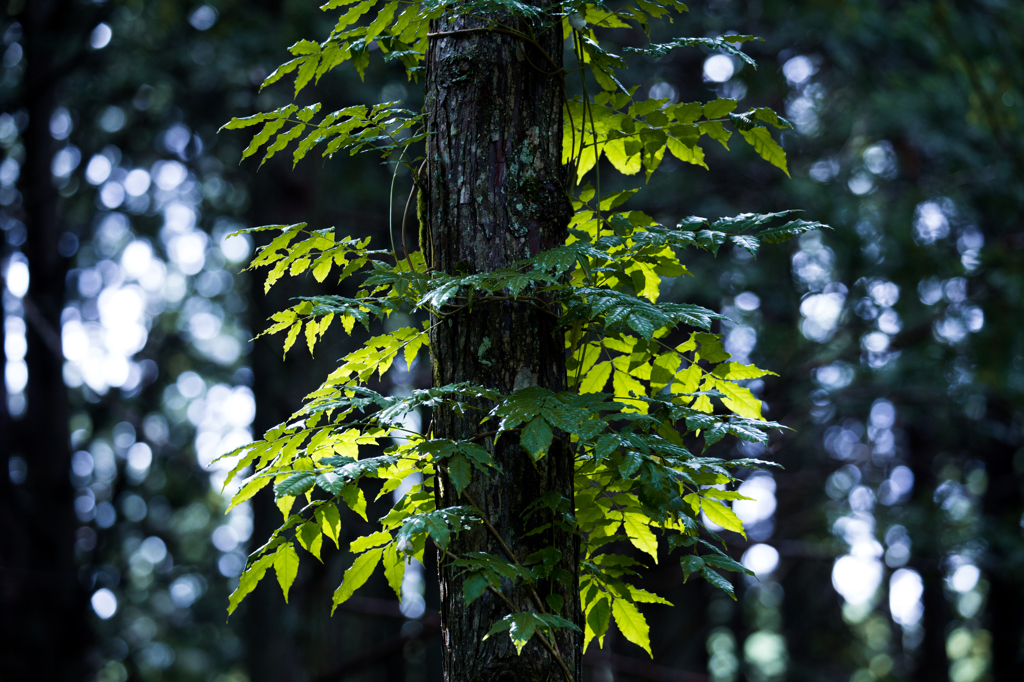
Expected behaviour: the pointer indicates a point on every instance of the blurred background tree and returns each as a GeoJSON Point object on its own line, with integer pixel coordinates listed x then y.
{"type": "Point", "coordinates": [889, 549]}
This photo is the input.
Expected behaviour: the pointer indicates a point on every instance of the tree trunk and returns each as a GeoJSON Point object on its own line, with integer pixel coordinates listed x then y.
{"type": "Point", "coordinates": [932, 661]}
{"type": "Point", "coordinates": [43, 604]}
{"type": "Point", "coordinates": [496, 193]}
{"type": "Point", "coordinates": [1001, 513]}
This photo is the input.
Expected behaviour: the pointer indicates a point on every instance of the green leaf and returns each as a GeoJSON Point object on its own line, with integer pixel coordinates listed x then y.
{"type": "Point", "coordinates": [632, 624]}
{"type": "Point", "coordinates": [767, 148]}
{"type": "Point", "coordinates": [311, 538]}
{"type": "Point", "coordinates": [356, 576]}
{"type": "Point", "coordinates": [726, 564]}
{"type": "Point", "coordinates": [718, 581]}
{"type": "Point", "coordinates": [394, 568]}
{"type": "Point", "coordinates": [355, 499]}
{"type": "Point", "coordinates": [691, 563]}
{"type": "Point", "coordinates": [747, 242]}
{"type": "Point", "coordinates": [734, 371]}
{"type": "Point", "coordinates": [293, 334]}
{"type": "Point", "coordinates": [598, 618]}
{"type": "Point", "coordinates": [711, 347]}
{"type": "Point", "coordinates": [645, 597]}
{"type": "Point", "coordinates": [776, 235]}
{"type": "Point", "coordinates": [719, 108]}
{"type": "Point", "coordinates": [686, 153]}
{"type": "Point", "coordinates": [639, 533]}
{"type": "Point", "coordinates": [280, 72]}
{"type": "Point", "coordinates": [522, 626]}
{"type": "Point", "coordinates": [296, 484]}
{"type": "Point", "coordinates": [597, 378]}
{"type": "Point", "coordinates": [359, 545]}
{"type": "Point", "coordinates": [305, 47]}
{"type": "Point", "coordinates": [723, 516]}
{"type": "Point", "coordinates": [710, 240]}
{"type": "Point", "coordinates": [251, 487]}
{"type": "Point", "coordinates": [312, 327]}
{"type": "Point", "coordinates": [437, 524]}
{"type": "Point", "coordinates": [716, 131]}
{"type": "Point", "coordinates": [770, 117]}
{"type": "Point", "coordinates": [739, 399]}
{"type": "Point", "coordinates": [536, 438]}
{"type": "Point", "coordinates": [286, 565]}
{"type": "Point", "coordinates": [248, 580]}
{"type": "Point", "coordinates": [747, 221]}
{"type": "Point", "coordinates": [473, 586]}
{"type": "Point", "coordinates": [460, 472]}
{"type": "Point", "coordinates": [330, 521]}
{"type": "Point", "coordinates": [555, 602]}
{"type": "Point", "coordinates": [687, 112]}
{"type": "Point", "coordinates": [722, 43]}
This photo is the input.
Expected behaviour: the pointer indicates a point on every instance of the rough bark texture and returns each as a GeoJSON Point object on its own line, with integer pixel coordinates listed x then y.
{"type": "Point", "coordinates": [496, 194]}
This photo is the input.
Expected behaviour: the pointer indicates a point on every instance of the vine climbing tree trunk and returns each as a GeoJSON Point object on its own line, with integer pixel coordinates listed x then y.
{"type": "Point", "coordinates": [496, 193]}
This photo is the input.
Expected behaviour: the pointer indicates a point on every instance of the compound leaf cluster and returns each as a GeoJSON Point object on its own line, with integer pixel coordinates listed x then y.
{"type": "Point", "coordinates": [651, 387]}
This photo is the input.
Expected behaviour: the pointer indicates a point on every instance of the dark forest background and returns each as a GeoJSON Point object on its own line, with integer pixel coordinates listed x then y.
{"type": "Point", "coordinates": [891, 547]}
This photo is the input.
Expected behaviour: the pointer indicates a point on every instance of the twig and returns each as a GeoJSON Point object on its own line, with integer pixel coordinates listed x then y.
{"type": "Point", "coordinates": [511, 555]}
{"type": "Point", "coordinates": [405, 213]}
{"type": "Point", "coordinates": [543, 638]}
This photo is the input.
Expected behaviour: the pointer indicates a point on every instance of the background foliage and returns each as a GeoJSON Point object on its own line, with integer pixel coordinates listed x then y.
{"type": "Point", "coordinates": [888, 547]}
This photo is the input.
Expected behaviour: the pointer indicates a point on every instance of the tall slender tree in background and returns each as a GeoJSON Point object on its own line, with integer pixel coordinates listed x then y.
{"type": "Point", "coordinates": [43, 601]}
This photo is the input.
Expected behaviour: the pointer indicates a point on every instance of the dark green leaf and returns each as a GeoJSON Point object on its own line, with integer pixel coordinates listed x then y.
{"type": "Point", "coordinates": [296, 484]}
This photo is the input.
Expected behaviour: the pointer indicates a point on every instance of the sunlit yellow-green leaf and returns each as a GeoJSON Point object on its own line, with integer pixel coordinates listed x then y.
{"type": "Point", "coordinates": [253, 486]}
{"type": "Point", "coordinates": [322, 267]}
{"type": "Point", "coordinates": [740, 400]}
{"type": "Point", "coordinates": [310, 537]}
{"type": "Point", "coordinates": [687, 153]}
{"type": "Point", "coordinates": [293, 334]}
{"type": "Point", "coordinates": [649, 281]}
{"type": "Point", "coordinates": [736, 372]}
{"type": "Point", "coordinates": [394, 569]}
{"type": "Point", "coordinates": [769, 150]}
{"type": "Point", "coordinates": [632, 624]}
{"type": "Point", "coordinates": [330, 521]}
{"type": "Point", "coordinates": [285, 503]}
{"type": "Point", "coordinates": [286, 565]}
{"type": "Point", "coordinates": [625, 386]}
{"type": "Point", "coordinates": [355, 499]}
{"type": "Point", "coordinates": [618, 153]}
{"type": "Point", "coordinates": [359, 545]}
{"type": "Point", "coordinates": [638, 530]}
{"type": "Point", "coordinates": [722, 515]}
{"type": "Point", "coordinates": [356, 576]}
{"type": "Point", "coordinates": [248, 580]}
{"type": "Point", "coordinates": [596, 379]}
{"type": "Point", "coordinates": [597, 618]}
{"type": "Point", "coordinates": [703, 403]}
{"type": "Point", "coordinates": [311, 329]}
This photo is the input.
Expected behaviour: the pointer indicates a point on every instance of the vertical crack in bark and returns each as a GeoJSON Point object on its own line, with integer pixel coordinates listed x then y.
{"type": "Point", "coordinates": [496, 193]}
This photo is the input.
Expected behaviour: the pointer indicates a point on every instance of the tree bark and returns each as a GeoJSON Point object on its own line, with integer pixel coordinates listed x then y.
{"type": "Point", "coordinates": [496, 193]}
